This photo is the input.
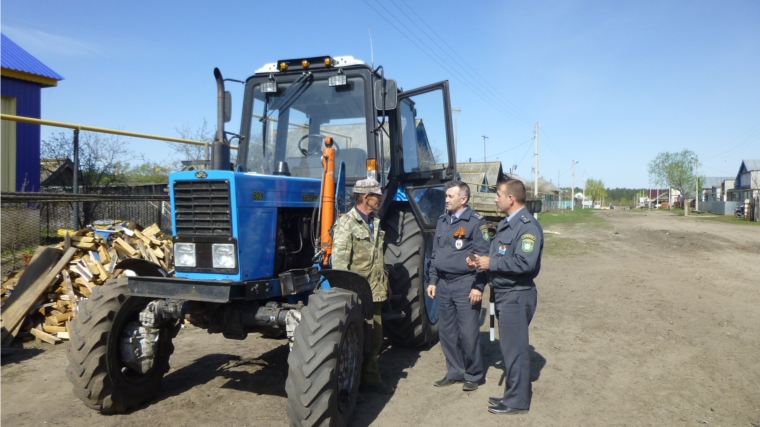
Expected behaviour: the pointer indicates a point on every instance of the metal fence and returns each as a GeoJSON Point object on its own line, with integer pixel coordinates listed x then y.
{"type": "Point", "coordinates": [31, 219]}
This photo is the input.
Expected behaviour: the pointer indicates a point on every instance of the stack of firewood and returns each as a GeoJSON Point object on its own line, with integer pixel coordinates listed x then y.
{"type": "Point", "coordinates": [40, 300]}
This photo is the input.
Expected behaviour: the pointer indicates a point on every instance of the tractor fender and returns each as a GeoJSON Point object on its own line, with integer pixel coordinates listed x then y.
{"type": "Point", "coordinates": [142, 267]}
{"type": "Point", "coordinates": [355, 283]}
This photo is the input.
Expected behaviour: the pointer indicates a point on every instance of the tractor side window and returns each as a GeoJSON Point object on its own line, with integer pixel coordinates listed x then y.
{"type": "Point", "coordinates": [423, 132]}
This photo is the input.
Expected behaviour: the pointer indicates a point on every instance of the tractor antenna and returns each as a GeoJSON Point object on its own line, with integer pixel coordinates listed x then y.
{"type": "Point", "coordinates": [371, 50]}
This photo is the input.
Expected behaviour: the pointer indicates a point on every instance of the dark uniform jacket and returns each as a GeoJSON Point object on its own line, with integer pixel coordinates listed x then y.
{"type": "Point", "coordinates": [515, 257]}
{"type": "Point", "coordinates": [448, 258]}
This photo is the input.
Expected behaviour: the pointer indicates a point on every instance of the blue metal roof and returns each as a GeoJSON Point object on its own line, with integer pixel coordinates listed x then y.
{"type": "Point", "coordinates": [16, 58]}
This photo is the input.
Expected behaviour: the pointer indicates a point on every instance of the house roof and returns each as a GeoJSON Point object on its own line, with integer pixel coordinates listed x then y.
{"type": "Point", "coordinates": [18, 63]}
{"type": "Point", "coordinates": [473, 178]}
{"type": "Point", "coordinates": [749, 165]}
{"type": "Point", "coordinates": [491, 170]}
{"type": "Point", "coordinates": [713, 181]}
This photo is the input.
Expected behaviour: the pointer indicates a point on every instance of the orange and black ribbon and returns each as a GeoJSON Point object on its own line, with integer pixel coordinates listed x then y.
{"type": "Point", "coordinates": [459, 233]}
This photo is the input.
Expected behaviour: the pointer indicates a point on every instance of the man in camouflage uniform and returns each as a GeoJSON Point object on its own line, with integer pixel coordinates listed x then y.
{"type": "Point", "coordinates": [358, 246]}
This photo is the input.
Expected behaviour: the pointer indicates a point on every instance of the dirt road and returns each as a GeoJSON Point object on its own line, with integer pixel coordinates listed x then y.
{"type": "Point", "coordinates": [643, 319]}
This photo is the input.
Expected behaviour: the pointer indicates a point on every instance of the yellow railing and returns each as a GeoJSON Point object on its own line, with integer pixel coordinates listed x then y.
{"type": "Point", "coordinates": [101, 130]}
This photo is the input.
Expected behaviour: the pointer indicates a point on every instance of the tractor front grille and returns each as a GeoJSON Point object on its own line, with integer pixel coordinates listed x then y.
{"type": "Point", "coordinates": [202, 208]}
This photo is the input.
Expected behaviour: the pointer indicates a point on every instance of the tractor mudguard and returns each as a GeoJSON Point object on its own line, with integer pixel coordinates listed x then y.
{"type": "Point", "coordinates": [355, 283]}
{"type": "Point", "coordinates": [142, 267]}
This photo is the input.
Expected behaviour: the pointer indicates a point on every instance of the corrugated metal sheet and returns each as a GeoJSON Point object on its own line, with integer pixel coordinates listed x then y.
{"type": "Point", "coordinates": [16, 58]}
{"type": "Point", "coordinates": [474, 179]}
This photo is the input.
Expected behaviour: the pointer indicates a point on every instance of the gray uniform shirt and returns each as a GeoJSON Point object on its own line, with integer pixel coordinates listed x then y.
{"type": "Point", "coordinates": [447, 260]}
{"type": "Point", "coordinates": [515, 256]}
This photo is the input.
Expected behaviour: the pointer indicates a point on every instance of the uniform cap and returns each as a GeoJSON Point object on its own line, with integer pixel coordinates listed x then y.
{"type": "Point", "coordinates": [368, 186]}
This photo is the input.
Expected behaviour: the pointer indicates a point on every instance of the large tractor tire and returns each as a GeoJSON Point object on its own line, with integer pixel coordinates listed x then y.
{"type": "Point", "coordinates": [96, 369]}
{"type": "Point", "coordinates": [407, 253]}
{"type": "Point", "coordinates": [325, 362]}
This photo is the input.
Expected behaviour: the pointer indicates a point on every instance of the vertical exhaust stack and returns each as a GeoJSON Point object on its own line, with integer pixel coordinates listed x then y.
{"type": "Point", "coordinates": [328, 200]}
{"type": "Point", "coordinates": [220, 157]}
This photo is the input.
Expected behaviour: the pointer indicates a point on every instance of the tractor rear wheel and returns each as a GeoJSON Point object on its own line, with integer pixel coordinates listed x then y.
{"type": "Point", "coordinates": [407, 253]}
{"type": "Point", "coordinates": [107, 322]}
{"type": "Point", "coordinates": [324, 366]}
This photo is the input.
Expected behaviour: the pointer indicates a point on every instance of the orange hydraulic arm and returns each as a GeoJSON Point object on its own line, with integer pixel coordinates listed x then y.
{"type": "Point", "coordinates": [328, 199]}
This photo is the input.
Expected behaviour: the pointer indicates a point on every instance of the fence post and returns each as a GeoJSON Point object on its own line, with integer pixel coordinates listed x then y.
{"type": "Point", "coordinates": [75, 183]}
{"type": "Point", "coordinates": [160, 211]}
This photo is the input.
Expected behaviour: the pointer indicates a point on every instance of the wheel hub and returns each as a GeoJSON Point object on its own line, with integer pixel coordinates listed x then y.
{"type": "Point", "coordinates": [139, 345]}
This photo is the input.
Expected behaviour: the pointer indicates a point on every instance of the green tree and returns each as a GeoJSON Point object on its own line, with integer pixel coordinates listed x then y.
{"type": "Point", "coordinates": [675, 170]}
{"type": "Point", "coordinates": [149, 173]}
{"type": "Point", "coordinates": [101, 157]}
{"type": "Point", "coordinates": [595, 189]}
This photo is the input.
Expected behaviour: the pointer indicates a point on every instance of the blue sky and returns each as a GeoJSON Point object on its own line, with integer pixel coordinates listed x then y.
{"type": "Point", "coordinates": [611, 84]}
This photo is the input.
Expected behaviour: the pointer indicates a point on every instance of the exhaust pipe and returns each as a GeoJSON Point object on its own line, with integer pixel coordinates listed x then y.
{"type": "Point", "coordinates": [220, 158]}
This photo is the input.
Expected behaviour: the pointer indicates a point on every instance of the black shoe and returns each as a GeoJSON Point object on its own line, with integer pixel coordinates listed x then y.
{"type": "Point", "coordinates": [494, 400]}
{"type": "Point", "coordinates": [501, 409]}
{"type": "Point", "coordinates": [445, 382]}
{"type": "Point", "coordinates": [470, 386]}
{"type": "Point", "coordinates": [380, 387]}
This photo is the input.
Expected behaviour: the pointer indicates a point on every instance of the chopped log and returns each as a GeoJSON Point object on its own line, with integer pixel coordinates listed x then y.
{"type": "Point", "coordinates": [45, 336]}
{"type": "Point", "coordinates": [37, 278]}
{"type": "Point", "coordinates": [128, 249]}
{"type": "Point", "coordinates": [70, 291]}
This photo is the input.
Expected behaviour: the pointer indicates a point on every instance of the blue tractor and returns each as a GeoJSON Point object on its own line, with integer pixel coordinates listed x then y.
{"type": "Point", "coordinates": [248, 254]}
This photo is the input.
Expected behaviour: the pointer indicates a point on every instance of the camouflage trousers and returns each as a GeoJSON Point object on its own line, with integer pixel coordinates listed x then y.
{"type": "Point", "coordinates": [370, 372]}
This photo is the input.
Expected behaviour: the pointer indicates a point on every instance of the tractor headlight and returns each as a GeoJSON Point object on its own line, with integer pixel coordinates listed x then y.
{"type": "Point", "coordinates": [184, 254]}
{"type": "Point", "coordinates": [223, 255]}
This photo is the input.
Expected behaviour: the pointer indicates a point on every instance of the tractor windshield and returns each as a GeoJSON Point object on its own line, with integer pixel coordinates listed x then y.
{"type": "Point", "coordinates": [291, 119]}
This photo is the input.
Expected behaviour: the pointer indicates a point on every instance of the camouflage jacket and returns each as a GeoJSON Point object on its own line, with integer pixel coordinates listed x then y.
{"type": "Point", "coordinates": [356, 250]}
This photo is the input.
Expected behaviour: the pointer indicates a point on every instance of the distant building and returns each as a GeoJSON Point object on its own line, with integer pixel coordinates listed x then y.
{"type": "Point", "coordinates": [747, 184]}
{"type": "Point", "coordinates": [23, 78]}
{"type": "Point", "coordinates": [712, 188]}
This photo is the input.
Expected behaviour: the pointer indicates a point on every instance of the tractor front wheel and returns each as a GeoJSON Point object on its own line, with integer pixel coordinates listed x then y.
{"type": "Point", "coordinates": [325, 362]}
{"type": "Point", "coordinates": [108, 367]}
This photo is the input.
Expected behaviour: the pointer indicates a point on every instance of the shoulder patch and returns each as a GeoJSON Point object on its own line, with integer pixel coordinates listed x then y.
{"type": "Point", "coordinates": [524, 219]}
{"type": "Point", "coordinates": [477, 214]}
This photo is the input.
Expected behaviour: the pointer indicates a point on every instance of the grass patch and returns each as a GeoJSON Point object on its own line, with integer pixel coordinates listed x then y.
{"type": "Point", "coordinates": [561, 246]}
{"type": "Point", "coordinates": [577, 216]}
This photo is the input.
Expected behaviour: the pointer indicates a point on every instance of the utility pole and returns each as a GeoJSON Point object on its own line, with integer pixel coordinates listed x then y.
{"type": "Point", "coordinates": [455, 112]}
{"type": "Point", "coordinates": [559, 205]}
{"type": "Point", "coordinates": [584, 188]}
{"type": "Point", "coordinates": [535, 181]}
{"type": "Point", "coordinates": [572, 190]}
{"type": "Point", "coordinates": [535, 186]}
{"type": "Point", "coordinates": [484, 148]}
{"type": "Point", "coordinates": [696, 183]}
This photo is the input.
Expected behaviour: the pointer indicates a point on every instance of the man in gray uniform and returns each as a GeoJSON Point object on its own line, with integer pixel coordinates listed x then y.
{"type": "Point", "coordinates": [513, 262]}
{"type": "Point", "coordinates": [458, 233]}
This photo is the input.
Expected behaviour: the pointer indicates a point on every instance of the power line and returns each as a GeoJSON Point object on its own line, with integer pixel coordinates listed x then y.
{"type": "Point", "coordinates": [460, 78]}
{"type": "Point", "coordinates": [480, 79]}
{"type": "Point", "coordinates": [510, 149]}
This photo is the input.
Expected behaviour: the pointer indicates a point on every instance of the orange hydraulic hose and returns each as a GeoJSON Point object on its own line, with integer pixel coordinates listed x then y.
{"type": "Point", "coordinates": [328, 199]}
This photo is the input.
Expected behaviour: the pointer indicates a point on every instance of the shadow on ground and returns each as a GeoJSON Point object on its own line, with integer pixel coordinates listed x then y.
{"type": "Point", "coordinates": [393, 361]}
{"type": "Point", "coordinates": [260, 375]}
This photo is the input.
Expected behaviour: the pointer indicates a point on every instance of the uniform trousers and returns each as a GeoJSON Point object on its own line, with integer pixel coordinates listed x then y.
{"type": "Point", "coordinates": [370, 371]}
{"type": "Point", "coordinates": [515, 309]}
{"type": "Point", "coordinates": [459, 329]}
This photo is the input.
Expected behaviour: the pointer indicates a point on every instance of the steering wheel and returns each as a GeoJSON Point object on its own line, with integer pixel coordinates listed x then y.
{"type": "Point", "coordinates": [305, 152]}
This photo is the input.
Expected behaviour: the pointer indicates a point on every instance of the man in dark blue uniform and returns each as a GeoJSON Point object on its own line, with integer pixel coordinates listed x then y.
{"type": "Point", "coordinates": [513, 262]}
{"type": "Point", "coordinates": [459, 289]}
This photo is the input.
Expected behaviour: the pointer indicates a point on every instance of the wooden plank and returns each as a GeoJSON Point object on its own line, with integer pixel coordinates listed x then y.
{"type": "Point", "coordinates": [62, 335]}
{"type": "Point", "coordinates": [126, 246]}
{"type": "Point", "coordinates": [62, 318]}
{"type": "Point", "coordinates": [83, 239]}
{"type": "Point", "coordinates": [73, 300]}
{"type": "Point", "coordinates": [85, 246]}
{"type": "Point", "coordinates": [45, 336]}
{"type": "Point", "coordinates": [53, 329]}
{"type": "Point", "coordinates": [101, 271]}
{"type": "Point", "coordinates": [36, 279]}
{"type": "Point", "coordinates": [8, 340]}
{"type": "Point", "coordinates": [159, 253]}
{"type": "Point", "coordinates": [144, 253]}
{"type": "Point", "coordinates": [66, 241]}
{"type": "Point", "coordinates": [105, 258]}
